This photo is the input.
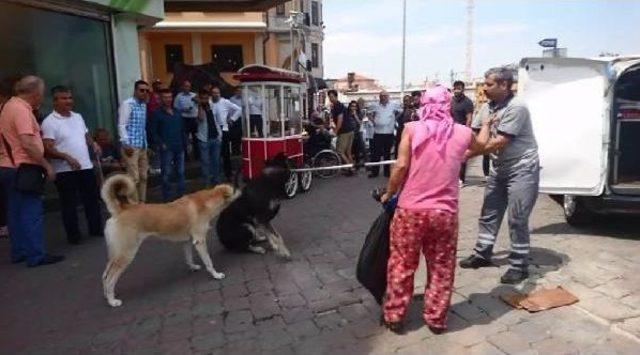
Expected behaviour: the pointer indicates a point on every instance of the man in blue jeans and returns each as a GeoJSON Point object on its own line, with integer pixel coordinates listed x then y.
{"type": "Point", "coordinates": [168, 136]}
{"type": "Point", "coordinates": [22, 144]}
{"type": "Point", "coordinates": [209, 136]}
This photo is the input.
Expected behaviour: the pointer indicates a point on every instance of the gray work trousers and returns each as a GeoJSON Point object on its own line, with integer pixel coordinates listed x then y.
{"type": "Point", "coordinates": [514, 188]}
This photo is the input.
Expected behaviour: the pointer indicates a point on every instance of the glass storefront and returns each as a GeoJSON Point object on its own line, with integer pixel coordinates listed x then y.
{"type": "Point", "coordinates": [63, 49]}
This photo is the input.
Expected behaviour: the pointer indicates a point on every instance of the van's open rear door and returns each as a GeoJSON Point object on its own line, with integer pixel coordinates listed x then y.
{"type": "Point", "coordinates": [568, 101]}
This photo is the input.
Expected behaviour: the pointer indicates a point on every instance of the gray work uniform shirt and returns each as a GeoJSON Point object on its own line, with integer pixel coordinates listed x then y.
{"type": "Point", "coordinates": [513, 120]}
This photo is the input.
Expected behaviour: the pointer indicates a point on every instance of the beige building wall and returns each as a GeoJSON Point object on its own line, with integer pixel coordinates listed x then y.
{"type": "Point", "coordinates": [197, 32]}
{"type": "Point", "coordinates": [272, 51]}
{"type": "Point", "coordinates": [246, 40]}
{"type": "Point", "coordinates": [157, 42]}
{"type": "Point", "coordinates": [206, 19]}
{"type": "Point", "coordinates": [264, 38]}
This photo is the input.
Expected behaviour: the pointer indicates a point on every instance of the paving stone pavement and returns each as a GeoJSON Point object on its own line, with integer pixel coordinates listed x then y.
{"type": "Point", "coordinates": [313, 304]}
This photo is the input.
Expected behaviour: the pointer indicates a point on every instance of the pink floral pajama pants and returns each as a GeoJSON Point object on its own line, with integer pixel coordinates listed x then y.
{"type": "Point", "coordinates": [436, 233]}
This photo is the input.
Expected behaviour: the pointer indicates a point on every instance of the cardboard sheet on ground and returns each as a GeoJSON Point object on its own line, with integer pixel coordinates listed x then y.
{"type": "Point", "coordinates": [541, 299]}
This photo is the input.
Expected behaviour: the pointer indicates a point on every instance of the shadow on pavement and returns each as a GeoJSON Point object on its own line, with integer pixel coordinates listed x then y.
{"type": "Point", "coordinates": [621, 227]}
{"type": "Point", "coordinates": [483, 308]}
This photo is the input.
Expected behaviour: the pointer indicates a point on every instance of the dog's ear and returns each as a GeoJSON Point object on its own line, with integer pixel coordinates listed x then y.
{"type": "Point", "coordinates": [225, 191]}
{"type": "Point", "coordinates": [229, 191]}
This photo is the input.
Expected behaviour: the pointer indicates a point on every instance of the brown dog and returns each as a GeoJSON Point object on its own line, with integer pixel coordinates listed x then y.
{"type": "Point", "coordinates": [184, 220]}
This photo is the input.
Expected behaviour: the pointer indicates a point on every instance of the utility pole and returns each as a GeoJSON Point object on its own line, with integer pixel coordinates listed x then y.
{"type": "Point", "coordinates": [404, 46]}
{"type": "Point", "coordinates": [469, 65]}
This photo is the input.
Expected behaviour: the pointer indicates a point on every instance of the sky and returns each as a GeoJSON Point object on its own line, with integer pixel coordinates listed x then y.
{"type": "Point", "coordinates": [365, 36]}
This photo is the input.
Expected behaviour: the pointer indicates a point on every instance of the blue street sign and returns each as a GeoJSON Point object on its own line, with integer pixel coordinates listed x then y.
{"type": "Point", "coordinates": [549, 42]}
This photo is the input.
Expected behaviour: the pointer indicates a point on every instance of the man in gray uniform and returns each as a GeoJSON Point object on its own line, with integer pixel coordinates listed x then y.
{"type": "Point", "coordinates": [513, 181]}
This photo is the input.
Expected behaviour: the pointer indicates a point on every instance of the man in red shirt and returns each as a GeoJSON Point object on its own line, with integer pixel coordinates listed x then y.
{"type": "Point", "coordinates": [22, 144]}
{"type": "Point", "coordinates": [154, 97]}
{"type": "Point", "coordinates": [153, 104]}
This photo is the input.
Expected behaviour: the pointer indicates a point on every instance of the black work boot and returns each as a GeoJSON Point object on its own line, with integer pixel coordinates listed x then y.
{"type": "Point", "coordinates": [514, 276]}
{"type": "Point", "coordinates": [475, 262]}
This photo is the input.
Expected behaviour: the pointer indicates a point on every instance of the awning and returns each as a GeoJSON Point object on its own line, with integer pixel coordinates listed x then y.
{"type": "Point", "coordinates": [220, 5]}
{"type": "Point", "coordinates": [211, 25]}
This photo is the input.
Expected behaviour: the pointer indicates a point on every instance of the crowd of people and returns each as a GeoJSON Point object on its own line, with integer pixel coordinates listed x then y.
{"type": "Point", "coordinates": [433, 134]}
{"type": "Point", "coordinates": [155, 128]}
{"type": "Point", "coordinates": [381, 125]}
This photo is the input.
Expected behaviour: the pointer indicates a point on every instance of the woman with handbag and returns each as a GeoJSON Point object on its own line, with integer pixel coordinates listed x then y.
{"type": "Point", "coordinates": [23, 170]}
{"type": "Point", "coordinates": [426, 218]}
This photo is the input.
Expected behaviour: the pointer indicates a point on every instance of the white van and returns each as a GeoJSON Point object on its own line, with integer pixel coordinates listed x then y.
{"type": "Point", "coordinates": [586, 118]}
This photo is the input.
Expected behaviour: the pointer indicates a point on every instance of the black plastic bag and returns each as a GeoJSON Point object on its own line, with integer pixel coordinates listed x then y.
{"type": "Point", "coordinates": [371, 269]}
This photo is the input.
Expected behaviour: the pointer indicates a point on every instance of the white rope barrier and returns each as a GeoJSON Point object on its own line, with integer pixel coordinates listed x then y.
{"type": "Point", "coordinates": [344, 166]}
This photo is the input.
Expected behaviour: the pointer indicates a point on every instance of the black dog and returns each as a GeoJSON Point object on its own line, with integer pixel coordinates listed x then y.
{"type": "Point", "coordinates": [247, 220]}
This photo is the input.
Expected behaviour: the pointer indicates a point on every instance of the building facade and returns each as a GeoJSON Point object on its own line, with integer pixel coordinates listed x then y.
{"type": "Point", "coordinates": [356, 82]}
{"type": "Point", "coordinates": [90, 46]}
{"type": "Point", "coordinates": [231, 39]}
{"type": "Point", "coordinates": [309, 39]}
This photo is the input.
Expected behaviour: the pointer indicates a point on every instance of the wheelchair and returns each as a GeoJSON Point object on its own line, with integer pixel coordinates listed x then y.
{"type": "Point", "coordinates": [324, 157]}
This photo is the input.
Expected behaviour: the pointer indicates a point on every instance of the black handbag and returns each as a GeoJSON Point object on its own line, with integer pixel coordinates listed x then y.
{"type": "Point", "coordinates": [30, 178]}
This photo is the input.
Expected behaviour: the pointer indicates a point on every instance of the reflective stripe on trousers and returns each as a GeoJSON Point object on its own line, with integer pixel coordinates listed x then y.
{"type": "Point", "coordinates": [516, 190]}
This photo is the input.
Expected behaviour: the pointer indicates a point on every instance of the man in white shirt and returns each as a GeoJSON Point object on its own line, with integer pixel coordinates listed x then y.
{"type": "Point", "coordinates": [236, 128]}
{"type": "Point", "coordinates": [228, 113]}
{"type": "Point", "coordinates": [185, 103]}
{"type": "Point", "coordinates": [383, 117]}
{"type": "Point", "coordinates": [209, 138]}
{"type": "Point", "coordinates": [255, 113]}
{"type": "Point", "coordinates": [66, 141]}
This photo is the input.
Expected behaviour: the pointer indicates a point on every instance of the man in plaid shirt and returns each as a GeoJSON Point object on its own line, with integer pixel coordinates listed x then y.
{"type": "Point", "coordinates": [132, 120]}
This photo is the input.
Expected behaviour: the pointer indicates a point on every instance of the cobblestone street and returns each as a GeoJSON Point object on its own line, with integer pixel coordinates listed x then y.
{"type": "Point", "coordinates": [313, 304]}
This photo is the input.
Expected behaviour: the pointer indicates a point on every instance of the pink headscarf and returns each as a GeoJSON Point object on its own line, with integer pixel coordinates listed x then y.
{"type": "Point", "coordinates": [435, 121]}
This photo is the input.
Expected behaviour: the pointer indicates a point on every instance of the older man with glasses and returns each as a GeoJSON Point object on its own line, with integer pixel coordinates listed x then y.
{"type": "Point", "coordinates": [132, 121]}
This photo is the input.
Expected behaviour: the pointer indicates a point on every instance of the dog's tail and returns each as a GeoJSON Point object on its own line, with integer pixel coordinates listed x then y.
{"type": "Point", "coordinates": [117, 191]}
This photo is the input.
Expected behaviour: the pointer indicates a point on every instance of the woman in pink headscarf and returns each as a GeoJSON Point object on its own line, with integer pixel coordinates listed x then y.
{"type": "Point", "coordinates": [426, 174]}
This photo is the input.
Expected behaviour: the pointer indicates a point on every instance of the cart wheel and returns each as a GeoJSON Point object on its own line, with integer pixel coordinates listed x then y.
{"type": "Point", "coordinates": [305, 179]}
{"type": "Point", "coordinates": [323, 159]}
{"type": "Point", "coordinates": [291, 186]}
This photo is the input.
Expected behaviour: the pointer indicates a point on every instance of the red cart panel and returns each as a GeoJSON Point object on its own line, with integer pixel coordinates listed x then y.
{"type": "Point", "coordinates": [255, 152]}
